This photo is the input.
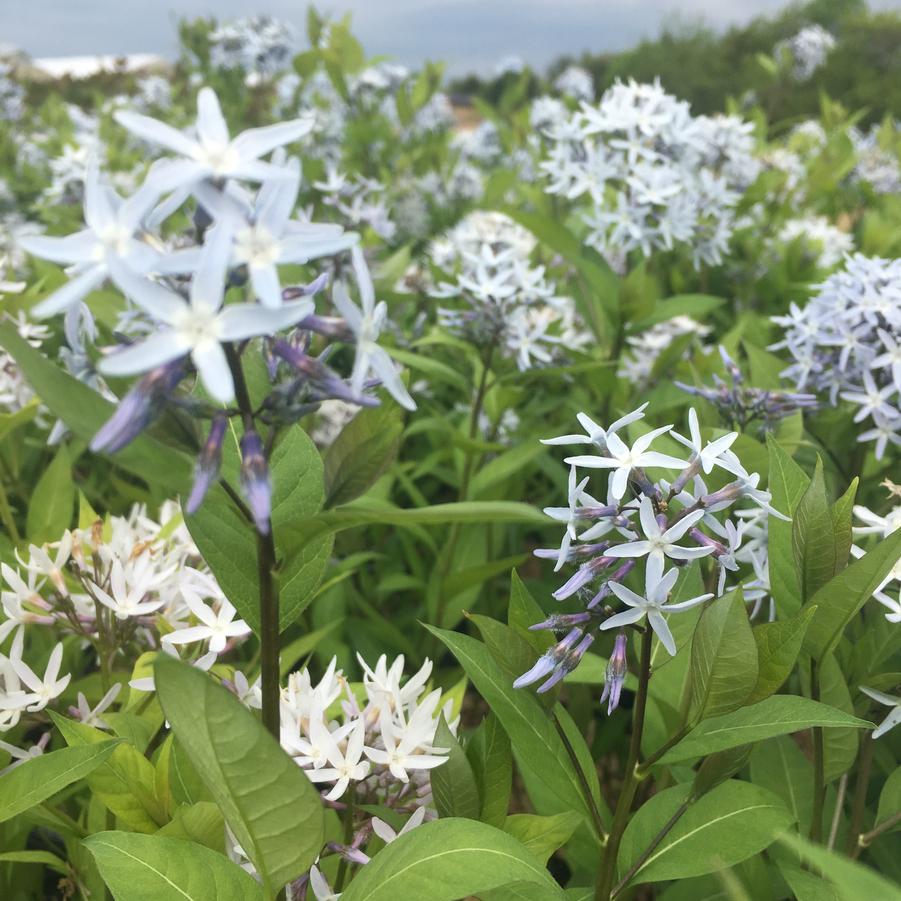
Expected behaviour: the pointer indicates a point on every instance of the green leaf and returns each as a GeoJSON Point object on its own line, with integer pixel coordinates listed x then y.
{"type": "Point", "coordinates": [84, 411]}
{"type": "Point", "coordinates": [840, 599]}
{"type": "Point", "coordinates": [201, 823]}
{"type": "Point", "coordinates": [523, 611]}
{"type": "Point", "coordinates": [52, 501]}
{"type": "Point", "coordinates": [813, 538]}
{"type": "Point", "coordinates": [787, 483]}
{"type": "Point", "coordinates": [267, 801]}
{"type": "Point", "coordinates": [453, 783]}
{"type": "Point", "coordinates": [505, 466]}
{"type": "Point", "coordinates": [698, 306]}
{"type": "Point", "coordinates": [853, 881]}
{"type": "Point", "coordinates": [361, 453]}
{"type": "Point", "coordinates": [228, 542]}
{"type": "Point", "coordinates": [532, 734]}
{"type": "Point", "coordinates": [726, 826]}
{"type": "Point", "coordinates": [154, 868]}
{"type": "Point", "coordinates": [780, 766]}
{"type": "Point", "coordinates": [776, 715]}
{"type": "Point", "coordinates": [542, 835]}
{"type": "Point", "coordinates": [778, 645]}
{"type": "Point", "coordinates": [44, 858]}
{"type": "Point", "coordinates": [723, 658]}
{"type": "Point", "coordinates": [446, 860]}
{"type": "Point", "coordinates": [890, 799]}
{"type": "Point", "coordinates": [488, 751]}
{"type": "Point", "coordinates": [36, 780]}
{"type": "Point", "coordinates": [125, 783]}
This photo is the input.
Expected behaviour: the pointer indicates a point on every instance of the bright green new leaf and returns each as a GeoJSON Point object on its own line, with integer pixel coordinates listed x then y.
{"type": "Point", "coordinates": [542, 835]}
{"type": "Point", "coordinates": [156, 868]}
{"type": "Point", "coordinates": [52, 501]}
{"type": "Point", "coordinates": [36, 780]}
{"type": "Point", "coordinates": [780, 766]}
{"type": "Point", "coordinates": [267, 801]}
{"type": "Point", "coordinates": [446, 860]}
{"type": "Point", "coordinates": [454, 786]}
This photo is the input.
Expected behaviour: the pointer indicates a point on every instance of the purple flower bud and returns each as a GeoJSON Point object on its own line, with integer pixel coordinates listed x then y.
{"type": "Point", "coordinates": [140, 406]}
{"type": "Point", "coordinates": [560, 622]}
{"type": "Point", "coordinates": [255, 480]}
{"type": "Point", "coordinates": [324, 380]}
{"type": "Point", "coordinates": [208, 463]}
{"type": "Point", "coordinates": [618, 576]}
{"type": "Point", "coordinates": [570, 661]}
{"type": "Point", "coordinates": [616, 674]}
{"type": "Point", "coordinates": [582, 577]}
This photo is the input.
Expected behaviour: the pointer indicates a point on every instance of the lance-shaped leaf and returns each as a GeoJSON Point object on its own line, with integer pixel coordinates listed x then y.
{"type": "Point", "coordinates": [267, 801]}
{"type": "Point", "coordinates": [726, 826]}
{"type": "Point", "coordinates": [778, 645]}
{"type": "Point", "coordinates": [840, 599]}
{"type": "Point", "coordinates": [453, 783]}
{"type": "Point", "coordinates": [36, 780]}
{"type": "Point", "coordinates": [533, 736]}
{"type": "Point", "coordinates": [489, 753]}
{"type": "Point", "coordinates": [723, 658]}
{"type": "Point", "coordinates": [776, 715]}
{"type": "Point", "coordinates": [446, 860]}
{"type": "Point", "coordinates": [542, 835]}
{"type": "Point", "coordinates": [156, 868]}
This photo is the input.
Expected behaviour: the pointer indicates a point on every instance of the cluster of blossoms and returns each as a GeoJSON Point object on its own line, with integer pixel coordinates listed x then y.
{"type": "Point", "coordinates": [259, 45]}
{"type": "Point", "coordinates": [740, 404]}
{"type": "Point", "coordinates": [121, 587]}
{"type": "Point", "coordinates": [652, 529]}
{"type": "Point", "coordinates": [882, 526]}
{"type": "Point", "coordinates": [827, 243]}
{"type": "Point", "coordinates": [12, 94]}
{"type": "Point", "coordinates": [847, 341]}
{"type": "Point", "coordinates": [876, 165]}
{"type": "Point", "coordinates": [575, 82]}
{"type": "Point", "coordinates": [653, 175]}
{"type": "Point", "coordinates": [369, 744]}
{"type": "Point", "coordinates": [509, 302]}
{"type": "Point", "coordinates": [637, 363]}
{"type": "Point", "coordinates": [806, 51]}
{"type": "Point", "coordinates": [178, 321]}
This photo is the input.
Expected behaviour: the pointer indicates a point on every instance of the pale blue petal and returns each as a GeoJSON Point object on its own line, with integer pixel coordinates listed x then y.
{"type": "Point", "coordinates": [212, 366]}
{"type": "Point", "coordinates": [247, 320]}
{"type": "Point", "coordinates": [161, 347]}
{"type": "Point", "coordinates": [257, 142]}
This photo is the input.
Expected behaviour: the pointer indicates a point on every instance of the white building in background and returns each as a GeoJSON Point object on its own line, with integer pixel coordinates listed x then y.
{"type": "Point", "coordinates": [86, 66]}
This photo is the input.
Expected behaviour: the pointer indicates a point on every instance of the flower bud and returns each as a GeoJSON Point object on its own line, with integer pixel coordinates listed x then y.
{"type": "Point", "coordinates": [208, 463]}
{"type": "Point", "coordinates": [138, 408]}
{"type": "Point", "coordinates": [616, 674]}
{"type": "Point", "coordinates": [255, 480]}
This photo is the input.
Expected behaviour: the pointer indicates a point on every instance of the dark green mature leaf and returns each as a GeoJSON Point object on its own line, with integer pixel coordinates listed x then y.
{"type": "Point", "coordinates": [787, 482]}
{"type": "Point", "coordinates": [532, 734]}
{"type": "Point", "coordinates": [228, 542]}
{"type": "Point", "coordinates": [813, 539]}
{"type": "Point", "coordinates": [853, 881]}
{"type": "Point", "coordinates": [839, 745]}
{"type": "Point", "coordinates": [780, 766]}
{"type": "Point", "coordinates": [726, 826]}
{"type": "Point", "coordinates": [83, 410]}
{"type": "Point", "coordinates": [542, 835]}
{"type": "Point", "coordinates": [453, 783]}
{"type": "Point", "coordinates": [523, 611]}
{"type": "Point", "coordinates": [488, 751]}
{"type": "Point", "coordinates": [839, 601]}
{"type": "Point", "coordinates": [696, 305]}
{"type": "Point", "coordinates": [776, 715]}
{"type": "Point", "coordinates": [36, 780]}
{"type": "Point", "coordinates": [361, 453]}
{"type": "Point", "coordinates": [124, 783]}
{"type": "Point", "coordinates": [778, 645]}
{"type": "Point", "coordinates": [156, 868]}
{"type": "Point", "coordinates": [52, 501]}
{"type": "Point", "coordinates": [890, 799]}
{"type": "Point", "coordinates": [446, 860]}
{"type": "Point", "coordinates": [723, 658]}
{"type": "Point", "coordinates": [267, 801]}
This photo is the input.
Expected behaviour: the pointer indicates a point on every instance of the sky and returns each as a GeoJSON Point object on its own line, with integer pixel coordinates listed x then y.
{"type": "Point", "coordinates": [471, 35]}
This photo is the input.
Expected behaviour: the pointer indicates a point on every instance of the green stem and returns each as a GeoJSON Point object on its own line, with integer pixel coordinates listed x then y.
{"type": "Point", "coordinates": [270, 635]}
{"type": "Point", "coordinates": [7, 518]}
{"type": "Point", "coordinates": [607, 871]}
{"type": "Point", "coordinates": [864, 765]}
{"type": "Point", "coordinates": [590, 802]}
{"type": "Point", "coordinates": [865, 840]}
{"type": "Point", "coordinates": [468, 466]}
{"type": "Point", "coordinates": [652, 847]}
{"type": "Point", "coordinates": [819, 763]}
{"type": "Point", "coordinates": [644, 768]}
